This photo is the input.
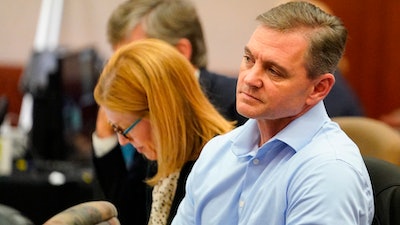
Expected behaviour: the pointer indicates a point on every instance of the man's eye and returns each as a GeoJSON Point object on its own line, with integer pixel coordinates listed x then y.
{"type": "Point", "coordinates": [273, 71]}
{"type": "Point", "coordinates": [247, 59]}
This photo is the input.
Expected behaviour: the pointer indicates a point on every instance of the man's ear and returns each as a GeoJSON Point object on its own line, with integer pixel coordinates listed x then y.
{"type": "Point", "coordinates": [322, 86]}
{"type": "Point", "coordinates": [185, 47]}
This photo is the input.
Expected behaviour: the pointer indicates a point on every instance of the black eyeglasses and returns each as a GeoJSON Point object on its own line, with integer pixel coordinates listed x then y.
{"type": "Point", "coordinates": [122, 132]}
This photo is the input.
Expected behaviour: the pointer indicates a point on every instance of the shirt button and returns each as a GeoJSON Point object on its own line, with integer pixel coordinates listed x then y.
{"type": "Point", "coordinates": [241, 204]}
{"type": "Point", "coordinates": [256, 161]}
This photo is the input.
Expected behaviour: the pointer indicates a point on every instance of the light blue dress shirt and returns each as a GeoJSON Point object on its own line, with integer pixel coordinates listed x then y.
{"type": "Point", "coordinates": [309, 173]}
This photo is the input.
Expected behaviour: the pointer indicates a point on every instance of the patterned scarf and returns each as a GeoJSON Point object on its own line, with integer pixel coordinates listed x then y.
{"type": "Point", "coordinates": [163, 195]}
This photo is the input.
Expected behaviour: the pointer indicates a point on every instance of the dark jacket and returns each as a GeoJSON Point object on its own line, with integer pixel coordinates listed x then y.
{"type": "Point", "coordinates": [221, 91]}
{"type": "Point", "coordinates": [341, 100]}
{"type": "Point", "coordinates": [127, 190]}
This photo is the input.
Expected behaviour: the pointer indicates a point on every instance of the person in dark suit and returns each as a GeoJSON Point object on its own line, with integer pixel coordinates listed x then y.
{"type": "Point", "coordinates": [341, 100]}
{"type": "Point", "coordinates": [152, 102]}
{"type": "Point", "coordinates": [120, 170]}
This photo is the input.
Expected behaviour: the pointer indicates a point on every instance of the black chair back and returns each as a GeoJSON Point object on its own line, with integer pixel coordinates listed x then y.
{"type": "Point", "coordinates": [385, 178]}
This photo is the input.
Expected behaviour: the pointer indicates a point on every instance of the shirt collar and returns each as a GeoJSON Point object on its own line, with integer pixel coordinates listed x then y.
{"type": "Point", "coordinates": [246, 138]}
{"type": "Point", "coordinates": [300, 131]}
{"type": "Point", "coordinates": [297, 134]}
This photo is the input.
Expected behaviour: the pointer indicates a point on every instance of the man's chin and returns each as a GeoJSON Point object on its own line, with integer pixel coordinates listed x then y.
{"type": "Point", "coordinates": [245, 110]}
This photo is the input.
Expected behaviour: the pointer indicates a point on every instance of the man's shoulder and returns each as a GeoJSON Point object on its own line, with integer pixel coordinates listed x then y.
{"type": "Point", "coordinates": [216, 79]}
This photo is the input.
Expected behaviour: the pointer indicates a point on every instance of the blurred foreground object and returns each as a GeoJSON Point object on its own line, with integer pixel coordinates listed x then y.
{"type": "Point", "coordinates": [87, 213]}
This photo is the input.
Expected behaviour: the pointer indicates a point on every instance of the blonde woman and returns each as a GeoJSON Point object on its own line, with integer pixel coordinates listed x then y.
{"type": "Point", "coordinates": [176, 22]}
{"type": "Point", "coordinates": [154, 102]}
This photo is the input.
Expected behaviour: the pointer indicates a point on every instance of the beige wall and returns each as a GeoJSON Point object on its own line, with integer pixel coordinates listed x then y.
{"type": "Point", "coordinates": [227, 25]}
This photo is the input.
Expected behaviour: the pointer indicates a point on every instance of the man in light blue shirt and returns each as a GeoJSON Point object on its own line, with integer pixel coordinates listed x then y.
{"type": "Point", "coordinates": [289, 164]}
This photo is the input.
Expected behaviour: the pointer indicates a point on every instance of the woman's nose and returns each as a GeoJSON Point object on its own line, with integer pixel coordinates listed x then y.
{"type": "Point", "coordinates": [122, 140]}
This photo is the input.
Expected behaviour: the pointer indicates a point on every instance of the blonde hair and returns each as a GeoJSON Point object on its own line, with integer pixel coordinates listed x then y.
{"type": "Point", "coordinates": [152, 79]}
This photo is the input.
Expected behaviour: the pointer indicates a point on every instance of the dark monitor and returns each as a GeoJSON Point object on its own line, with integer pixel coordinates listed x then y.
{"type": "Point", "coordinates": [64, 110]}
{"type": "Point", "coordinates": [3, 107]}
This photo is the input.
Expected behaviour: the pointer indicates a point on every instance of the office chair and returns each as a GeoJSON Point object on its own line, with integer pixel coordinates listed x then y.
{"type": "Point", "coordinates": [373, 137]}
{"type": "Point", "coordinates": [385, 179]}
{"type": "Point", "coordinates": [87, 213]}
